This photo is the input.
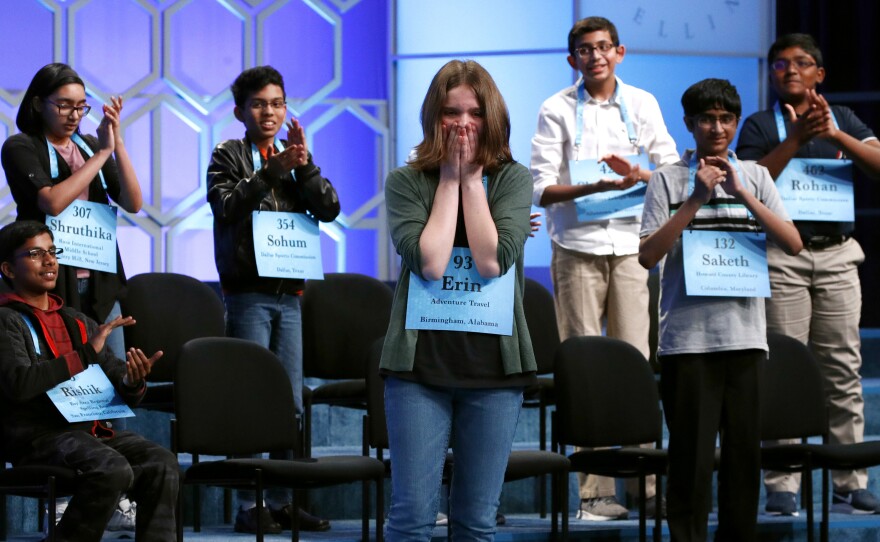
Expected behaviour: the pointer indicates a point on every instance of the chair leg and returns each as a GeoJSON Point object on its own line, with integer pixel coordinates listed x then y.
{"type": "Point", "coordinates": [826, 497]}
{"type": "Point", "coordinates": [179, 512]}
{"type": "Point", "coordinates": [258, 475]}
{"type": "Point", "coordinates": [658, 509]}
{"type": "Point", "coordinates": [542, 434]}
{"type": "Point", "coordinates": [643, 508]}
{"type": "Point", "coordinates": [197, 509]}
{"type": "Point", "coordinates": [294, 516]}
{"type": "Point", "coordinates": [380, 509]}
{"type": "Point", "coordinates": [807, 495]}
{"type": "Point", "coordinates": [50, 531]}
{"type": "Point", "coordinates": [365, 511]}
{"type": "Point", "coordinates": [563, 489]}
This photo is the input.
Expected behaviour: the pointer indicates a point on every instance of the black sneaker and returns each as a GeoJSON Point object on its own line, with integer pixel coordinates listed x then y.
{"type": "Point", "coordinates": [860, 501]}
{"type": "Point", "coordinates": [781, 503]}
{"type": "Point", "coordinates": [651, 508]}
{"type": "Point", "coordinates": [246, 521]}
{"type": "Point", "coordinates": [307, 522]}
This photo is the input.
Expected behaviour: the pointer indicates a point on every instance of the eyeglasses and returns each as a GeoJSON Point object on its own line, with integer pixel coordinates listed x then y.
{"type": "Point", "coordinates": [586, 51]}
{"type": "Point", "coordinates": [783, 63]}
{"type": "Point", "coordinates": [262, 105]}
{"type": "Point", "coordinates": [66, 109]}
{"type": "Point", "coordinates": [37, 254]}
{"type": "Point", "coordinates": [708, 121]}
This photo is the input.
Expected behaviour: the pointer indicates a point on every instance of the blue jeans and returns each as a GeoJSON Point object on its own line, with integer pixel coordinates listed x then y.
{"type": "Point", "coordinates": [422, 423]}
{"type": "Point", "coordinates": [275, 322]}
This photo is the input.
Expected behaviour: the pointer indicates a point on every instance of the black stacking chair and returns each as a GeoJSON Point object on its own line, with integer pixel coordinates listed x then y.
{"type": "Point", "coordinates": [521, 465]}
{"type": "Point", "coordinates": [793, 407]}
{"type": "Point", "coordinates": [342, 316]}
{"type": "Point", "coordinates": [606, 395]}
{"type": "Point", "coordinates": [540, 311]}
{"type": "Point", "coordinates": [233, 398]}
{"type": "Point", "coordinates": [170, 309]}
{"type": "Point", "coordinates": [42, 482]}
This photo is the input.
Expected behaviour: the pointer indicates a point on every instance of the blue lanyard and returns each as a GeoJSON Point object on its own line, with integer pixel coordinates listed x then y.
{"type": "Point", "coordinates": [780, 122]}
{"type": "Point", "coordinates": [33, 333]}
{"type": "Point", "coordinates": [258, 158]}
{"type": "Point", "coordinates": [53, 157]}
{"type": "Point", "coordinates": [624, 116]}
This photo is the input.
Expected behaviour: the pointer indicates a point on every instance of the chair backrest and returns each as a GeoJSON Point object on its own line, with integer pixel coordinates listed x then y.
{"type": "Point", "coordinates": [377, 435]}
{"type": "Point", "coordinates": [606, 394]}
{"type": "Point", "coordinates": [792, 399]}
{"type": "Point", "coordinates": [232, 397]}
{"type": "Point", "coordinates": [170, 309]}
{"type": "Point", "coordinates": [342, 316]}
{"type": "Point", "coordinates": [540, 312]}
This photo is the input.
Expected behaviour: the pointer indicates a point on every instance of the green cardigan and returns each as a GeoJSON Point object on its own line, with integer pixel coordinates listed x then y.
{"type": "Point", "coordinates": [409, 197]}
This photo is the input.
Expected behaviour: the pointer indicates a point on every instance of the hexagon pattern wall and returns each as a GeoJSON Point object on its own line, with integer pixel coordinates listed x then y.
{"type": "Point", "coordinates": [173, 62]}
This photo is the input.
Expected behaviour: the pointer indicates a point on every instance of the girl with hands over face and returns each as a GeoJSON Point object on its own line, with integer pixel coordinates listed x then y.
{"type": "Point", "coordinates": [461, 191]}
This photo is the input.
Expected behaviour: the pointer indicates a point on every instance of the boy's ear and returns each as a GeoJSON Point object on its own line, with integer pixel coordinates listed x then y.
{"type": "Point", "coordinates": [237, 113]}
{"type": "Point", "coordinates": [689, 123]}
{"type": "Point", "coordinates": [6, 269]}
{"type": "Point", "coordinates": [572, 62]}
{"type": "Point", "coordinates": [820, 75]}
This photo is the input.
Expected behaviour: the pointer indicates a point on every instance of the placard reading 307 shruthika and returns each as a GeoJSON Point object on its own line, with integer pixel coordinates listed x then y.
{"type": "Point", "coordinates": [462, 300]}
{"type": "Point", "coordinates": [287, 245]}
{"type": "Point", "coordinates": [87, 232]}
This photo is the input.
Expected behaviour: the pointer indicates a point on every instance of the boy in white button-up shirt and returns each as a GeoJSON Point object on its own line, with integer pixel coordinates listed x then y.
{"type": "Point", "coordinates": [595, 270]}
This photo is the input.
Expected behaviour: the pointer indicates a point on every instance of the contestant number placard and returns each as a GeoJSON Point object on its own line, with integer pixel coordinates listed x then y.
{"type": "Point", "coordinates": [723, 263]}
{"type": "Point", "coordinates": [87, 232]}
{"type": "Point", "coordinates": [462, 300]}
{"type": "Point", "coordinates": [818, 189]}
{"type": "Point", "coordinates": [612, 204]}
{"type": "Point", "coordinates": [89, 396]}
{"type": "Point", "coordinates": [287, 245]}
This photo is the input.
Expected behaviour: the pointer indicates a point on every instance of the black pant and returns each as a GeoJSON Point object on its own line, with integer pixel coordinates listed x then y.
{"type": "Point", "coordinates": [125, 463]}
{"type": "Point", "coordinates": [704, 394]}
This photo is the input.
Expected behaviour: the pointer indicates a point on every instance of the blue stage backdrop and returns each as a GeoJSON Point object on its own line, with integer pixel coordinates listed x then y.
{"type": "Point", "coordinates": [356, 72]}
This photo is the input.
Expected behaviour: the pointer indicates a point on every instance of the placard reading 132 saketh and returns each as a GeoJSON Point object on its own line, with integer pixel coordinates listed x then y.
{"type": "Point", "coordinates": [462, 300]}
{"type": "Point", "coordinates": [725, 263]}
{"type": "Point", "coordinates": [287, 245]}
{"type": "Point", "coordinates": [86, 230]}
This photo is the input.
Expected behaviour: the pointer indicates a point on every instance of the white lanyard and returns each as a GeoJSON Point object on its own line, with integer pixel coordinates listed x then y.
{"type": "Point", "coordinates": [624, 116]}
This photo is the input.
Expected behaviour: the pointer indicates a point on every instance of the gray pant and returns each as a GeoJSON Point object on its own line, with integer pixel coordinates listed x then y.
{"type": "Point", "coordinates": [125, 463]}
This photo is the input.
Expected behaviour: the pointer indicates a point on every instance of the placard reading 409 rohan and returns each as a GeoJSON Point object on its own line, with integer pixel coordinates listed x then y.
{"type": "Point", "coordinates": [462, 300]}
{"type": "Point", "coordinates": [87, 232]}
{"type": "Point", "coordinates": [725, 263]}
{"type": "Point", "coordinates": [818, 189]}
{"type": "Point", "coordinates": [287, 245]}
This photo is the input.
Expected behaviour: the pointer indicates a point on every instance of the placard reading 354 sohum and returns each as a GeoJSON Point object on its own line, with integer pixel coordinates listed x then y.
{"type": "Point", "coordinates": [462, 300]}
{"type": "Point", "coordinates": [287, 245]}
{"type": "Point", "coordinates": [725, 263]}
{"type": "Point", "coordinates": [87, 232]}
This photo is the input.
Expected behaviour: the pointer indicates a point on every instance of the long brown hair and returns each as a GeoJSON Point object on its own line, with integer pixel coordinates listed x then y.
{"type": "Point", "coordinates": [494, 143]}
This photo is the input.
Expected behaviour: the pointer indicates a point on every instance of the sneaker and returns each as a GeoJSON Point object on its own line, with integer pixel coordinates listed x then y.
{"type": "Point", "coordinates": [601, 509]}
{"type": "Point", "coordinates": [307, 522]}
{"type": "Point", "coordinates": [60, 507]}
{"type": "Point", "coordinates": [651, 507]}
{"type": "Point", "coordinates": [860, 501]}
{"type": "Point", "coordinates": [781, 503]}
{"type": "Point", "coordinates": [123, 517]}
{"type": "Point", "coordinates": [246, 521]}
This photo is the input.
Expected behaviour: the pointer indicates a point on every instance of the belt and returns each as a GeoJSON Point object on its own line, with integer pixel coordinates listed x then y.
{"type": "Point", "coordinates": [825, 241]}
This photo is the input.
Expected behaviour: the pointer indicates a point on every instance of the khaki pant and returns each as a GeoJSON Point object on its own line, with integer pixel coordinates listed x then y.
{"type": "Point", "coordinates": [588, 288]}
{"type": "Point", "coordinates": [817, 299]}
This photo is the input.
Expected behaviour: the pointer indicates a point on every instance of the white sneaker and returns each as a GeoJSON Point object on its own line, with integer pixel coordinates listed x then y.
{"type": "Point", "coordinates": [442, 519]}
{"type": "Point", "coordinates": [60, 507]}
{"type": "Point", "coordinates": [123, 518]}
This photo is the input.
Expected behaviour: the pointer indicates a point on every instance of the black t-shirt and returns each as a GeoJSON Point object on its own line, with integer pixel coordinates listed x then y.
{"type": "Point", "coordinates": [759, 136]}
{"type": "Point", "coordinates": [461, 359]}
